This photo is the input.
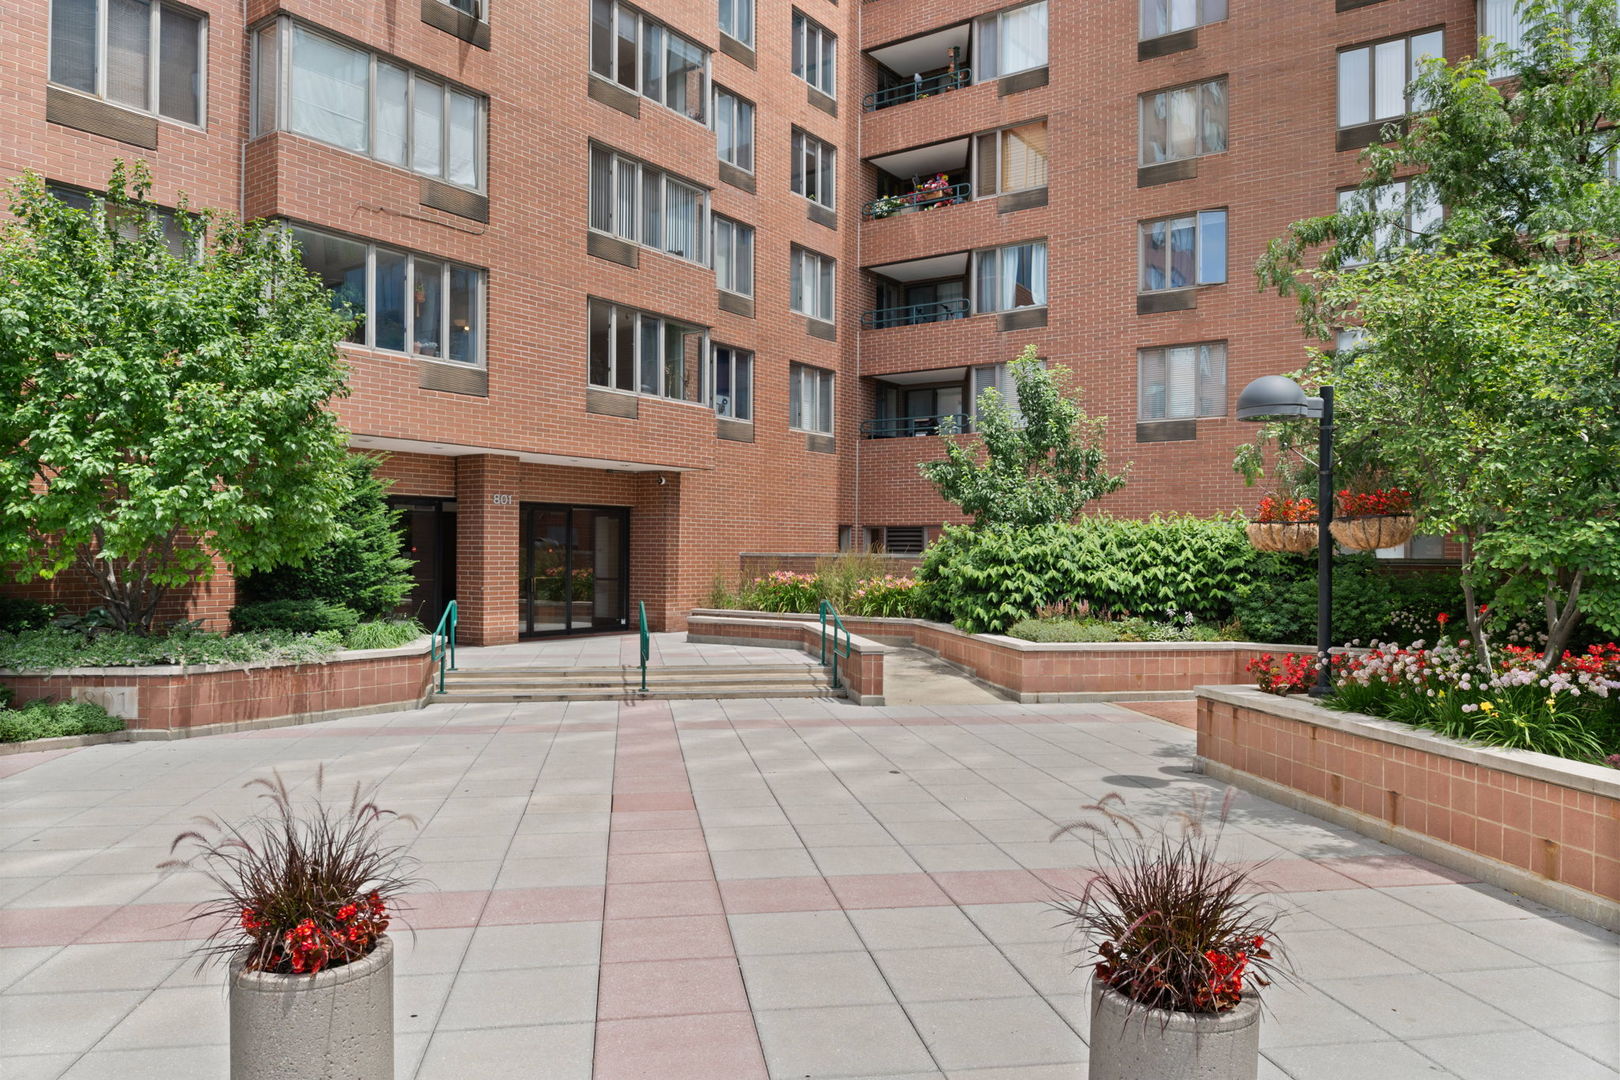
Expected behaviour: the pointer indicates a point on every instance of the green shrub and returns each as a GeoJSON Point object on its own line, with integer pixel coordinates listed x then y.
{"type": "Point", "coordinates": [1368, 603]}
{"type": "Point", "coordinates": [887, 597]}
{"type": "Point", "coordinates": [362, 568]}
{"type": "Point", "coordinates": [55, 647]}
{"type": "Point", "coordinates": [20, 613]}
{"type": "Point", "coordinates": [295, 616]}
{"type": "Point", "coordinates": [45, 720]}
{"type": "Point", "coordinates": [1127, 629]}
{"type": "Point", "coordinates": [383, 634]}
{"type": "Point", "coordinates": [783, 590]}
{"type": "Point", "coordinates": [1063, 630]}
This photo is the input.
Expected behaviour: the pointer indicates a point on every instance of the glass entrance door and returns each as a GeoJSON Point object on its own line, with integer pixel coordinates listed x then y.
{"type": "Point", "coordinates": [575, 563]}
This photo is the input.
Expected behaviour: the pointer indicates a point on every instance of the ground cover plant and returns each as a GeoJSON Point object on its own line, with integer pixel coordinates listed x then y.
{"type": "Point", "coordinates": [62, 647]}
{"type": "Point", "coordinates": [50, 720]}
{"type": "Point", "coordinates": [1171, 626]}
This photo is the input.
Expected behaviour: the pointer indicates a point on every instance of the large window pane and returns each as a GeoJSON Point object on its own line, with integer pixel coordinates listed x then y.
{"type": "Point", "coordinates": [681, 216]}
{"type": "Point", "coordinates": [180, 70]}
{"type": "Point", "coordinates": [266, 78]}
{"type": "Point", "coordinates": [651, 332]}
{"type": "Point", "coordinates": [743, 282]}
{"type": "Point", "coordinates": [1389, 80]}
{"type": "Point", "coordinates": [602, 37]}
{"type": "Point", "coordinates": [624, 349]}
{"type": "Point", "coordinates": [627, 213]}
{"type": "Point", "coordinates": [601, 189]}
{"type": "Point", "coordinates": [427, 128]}
{"type": "Point", "coordinates": [463, 158]}
{"type": "Point", "coordinates": [652, 208]}
{"type": "Point", "coordinates": [73, 44]}
{"type": "Point", "coordinates": [601, 343]}
{"type": "Point", "coordinates": [1355, 87]}
{"type": "Point", "coordinates": [1155, 250]}
{"type": "Point", "coordinates": [427, 309]}
{"type": "Point", "coordinates": [1183, 241]}
{"type": "Point", "coordinates": [1214, 118]}
{"type": "Point", "coordinates": [628, 37]}
{"type": "Point", "coordinates": [1023, 38]}
{"type": "Point", "coordinates": [341, 265]}
{"type": "Point", "coordinates": [393, 105]}
{"type": "Point", "coordinates": [1023, 157]}
{"type": "Point", "coordinates": [824, 283]}
{"type": "Point", "coordinates": [388, 321]}
{"type": "Point", "coordinates": [1183, 121]}
{"type": "Point", "coordinates": [1212, 247]}
{"type": "Point", "coordinates": [129, 52]}
{"type": "Point", "coordinates": [652, 61]}
{"type": "Point", "coordinates": [464, 319]}
{"type": "Point", "coordinates": [328, 96]}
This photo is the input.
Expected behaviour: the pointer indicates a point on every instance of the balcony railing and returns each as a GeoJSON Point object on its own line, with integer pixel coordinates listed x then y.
{"type": "Point", "coordinates": [913, 314]}
{"type": "Point", "coordinates": [904, 427]}
{"type": "Point", "coordinates": [927, 199]}
{"type": "Point", "coordinates": [917, 88]}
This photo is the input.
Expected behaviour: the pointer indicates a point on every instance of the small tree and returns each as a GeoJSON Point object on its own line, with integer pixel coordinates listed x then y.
{"type": "Point", "coordinates": [361, 566]}
{"type": "Point", "coordinates": [1040, 464]}
{"type": "Point", "coordinates": [160, 408]}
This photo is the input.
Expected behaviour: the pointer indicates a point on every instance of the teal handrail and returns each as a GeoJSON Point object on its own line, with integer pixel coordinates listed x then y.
{"type": "Point", "coordinates": [646, 645]}
{"type": "Point", "coordinates": [837, 628]}
{"type": "Point", "coordinates": [443, 643]}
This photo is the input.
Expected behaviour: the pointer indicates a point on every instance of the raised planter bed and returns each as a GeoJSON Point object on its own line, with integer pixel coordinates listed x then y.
{"type": "Point", "coordinates": [1544, 827]}
{"type": "Point", "coordinates": [861, 673]}
{"type": "Point", "coordinates": [1043, 672]}
{"type": "Point", "coordinates": [175, 701]}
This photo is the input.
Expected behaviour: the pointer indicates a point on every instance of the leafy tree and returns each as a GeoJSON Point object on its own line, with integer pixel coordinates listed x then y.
{"type": "Point", "coordinates": [160, 409]}
{"type": "Point", "coordinates": [1039, 465]}
{"type": "Point", "coordinates": [360, 567]}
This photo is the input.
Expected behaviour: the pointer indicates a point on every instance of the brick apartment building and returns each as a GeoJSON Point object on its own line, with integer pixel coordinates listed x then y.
{"type": "Point", "coordinates": [635, 298]}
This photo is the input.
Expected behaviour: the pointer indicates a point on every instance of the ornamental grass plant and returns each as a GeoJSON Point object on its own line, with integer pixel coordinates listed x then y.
{"type": "Point", "coordinates": [1165, 921]}
{"type": "Point", "coordinates": [301, 888]}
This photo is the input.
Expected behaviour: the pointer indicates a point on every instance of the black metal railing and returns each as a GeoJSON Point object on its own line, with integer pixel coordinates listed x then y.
{"type": "Point", "coordinates": [917, 88]}
{"type": "Point", "coordinates": [914, 314]}
{"type": "Point", "coordinates": [926, 199]}
{"type": "Point", "coordinates": [905, 427]}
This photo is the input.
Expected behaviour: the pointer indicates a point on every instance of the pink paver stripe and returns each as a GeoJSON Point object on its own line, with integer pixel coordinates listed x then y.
{"type": "Point", "coordinates": [569, 903]}
{"type": "Point", "coordinates": [1384, 871]}
{"type": "Point", "coordinates": [992, 886]}
{"type": "Point", "coordinates": [761, 896]}
{"type": "Point", "coordinates": [49, 926]}
{"type": "Point", "coordinates": [664, 866]}
{"type": "Point", "coordinates": [651, 800]}
{"type": "Point", "coordinates": [887, 891]}
{"type": "Point", "coordinates": [630, 989]}
{"type": "Point", "coordinates": [649, 841]}
{"type": "Point", "coordinates": [677, 937]}
{"type": "Point", "coordinates": [12, 764]}
{"type": "Point", "coordinates": [713, 1046]}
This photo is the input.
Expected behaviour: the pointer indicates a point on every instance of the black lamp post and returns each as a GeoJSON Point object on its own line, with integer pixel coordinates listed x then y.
{"type": "Point", "coordinates": [1274, 397]}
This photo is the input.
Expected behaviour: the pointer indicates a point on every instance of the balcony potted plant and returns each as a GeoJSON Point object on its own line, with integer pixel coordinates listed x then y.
{"type": "Point", "coordinates": [886, 206]}
{"type": "Point", "coordinates": [1284, 524]}
{"type": "Point", "coordinates": [1177, 945]}
{"type": "Point", "coordinates": [1369, 520]}
{"type": "Point", "coordinates": [305, 895]}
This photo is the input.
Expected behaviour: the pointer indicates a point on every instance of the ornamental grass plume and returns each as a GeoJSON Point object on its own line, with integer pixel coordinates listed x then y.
{"type": "Point", "coordinates": [1167, 923]}
{"type": "Point", "coordinates": [300, 889]}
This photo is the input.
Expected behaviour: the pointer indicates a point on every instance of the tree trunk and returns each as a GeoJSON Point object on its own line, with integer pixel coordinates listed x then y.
{"type": "Point", "coordinates": [1476, 621]}
{"type": "Point", "coordinates": [126, 590]}
{"type": "Point", "coordinates": [1561, 620]}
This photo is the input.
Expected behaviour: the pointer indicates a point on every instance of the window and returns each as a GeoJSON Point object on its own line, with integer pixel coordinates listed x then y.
{"type": "Point", "coordinates": [649, 58]}
{"type": "Point", "coordinates": [1010, 277]}
{"type": "Point", "coordinates": [1347, 340]}
{"type": "Point", "coordinates": [1407, 217]}
{"type": "Point", "coordinates": [896, 539]}
{"type": "Point", "coordinates": [997, 377]}
{"type": "Point", "coordinates": [733, 382]}
{"type": "Point", "coordinates": [812, 170]}
{"type": "Point", "coordinates": [1428, 547]}
{"type": "Point", "coordinates": [311, 85]}
{"type": "Point", "coordinates": [644, 205]}
{"type": "Point", "coordinates": [1189, 121]}
{"type": "Point", "coordinates": [141, 54]}
{"type": "Point", "coordinates": [1012, 159]}
{"type": "Point", "coordinates": [1504, 24]}
{"type": "Point", "coordinates": [814, 50]}
{"type": "Point", "coordinates": [176, 237]}
{"type": "Point", "coordinates": [1181, 382]}
{"type": "Point", "coordinates": [737, 20]}
{"type": "Point", "coordinates": [733, 256]}
{"type": "Point", "coordinates": [734, 129]}
{"type": "Point", "coordinates": [1009, 41]}
{"type": "Point", "coordinates": [812, 284]}
{"type": "Point", "coordinates": [1180, 252]}
{"type": "Point", "coordinates": [1161, 17]}
{"type": "Point", "coordinates": [643, 353]}
{"type": "Point", "coordinates": [1373, 78]}
{"type": "Point", "coordinates": [407, 302]}
{"type": "Point", "coordinates": [475, 8]}
{"type": "Point", "coordinates": [810, 399]}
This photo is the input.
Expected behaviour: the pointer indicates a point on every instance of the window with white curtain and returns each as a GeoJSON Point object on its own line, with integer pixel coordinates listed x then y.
{"type": "Point", "coordinates": [1010, 277]}
{"type": "Point", "coordinates": [732, 380]}
{"type": "Point", "coordinates": [997, 377]}
{"type": "Point", "coordinates": [812, 283]}
{"type": "Point", "coordinates": [643, 55]}
{"type": "Point", "coordinates": [810, 399]}
{"type": "Point", "coordinates": [814, 54]}
{"type": "Point", "coordinates": [734, 129]}
{"type": "Point", "coordinates": [310, 84]}
{"type": "Point", "coordinates": [1180, 382]}
{"type": "Point", "coordinates": [406, 302]}
{"type": "Point", "coordinates": [1373, 79]}
{"type": "Point", "coordinates": [1504, 23]}
{"type": "Point", "coordinates": [737, 20]}
{"type": "Point", "coordinates": [1181, 252]}
{"type": "Point", "coordinates": [1009, 41]}
{"type": "Point", "coordinates": [639, 352]}
{"type": "Point", "coordinates": [1161, 17]}
{"type": "Point", "coordinates": [813, 168]}
{"type": "Point", "coordinates": [733, 256]}
{"type": "Point", "coordinates": [1011, 159]}
{"type": "Point", "coordinates": [1405, 217]}
{"type": "Point", "coordinates": [140, 54]}
{"type": "Point", "coordinates": [644, 205]}
{"type": "Point", "coordinates": [1184, 122]}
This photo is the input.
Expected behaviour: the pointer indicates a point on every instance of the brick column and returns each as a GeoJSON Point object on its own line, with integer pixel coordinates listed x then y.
{"type": "Point", "coordinates": [487, 565]}
{"type": "Point", "coordinates": [655, 522]}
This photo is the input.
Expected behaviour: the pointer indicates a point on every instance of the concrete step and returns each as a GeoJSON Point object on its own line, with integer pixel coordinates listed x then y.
{"type": "Point", "coordinates": [690, 681]}
{"type": "Point", "coordinates": [630, 692]}
{"type": "Point", "coordinates": [626, 670]}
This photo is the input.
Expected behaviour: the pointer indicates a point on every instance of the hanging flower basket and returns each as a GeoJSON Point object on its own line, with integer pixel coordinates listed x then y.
{"type": "Point", "coordinates": [1292, 536]}
{"type": "Point", "coordinates": [1373, 531]}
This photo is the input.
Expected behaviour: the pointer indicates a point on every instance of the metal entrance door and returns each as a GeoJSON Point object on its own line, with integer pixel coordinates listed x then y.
{"type": "Point", "coordinates": [575, 562]}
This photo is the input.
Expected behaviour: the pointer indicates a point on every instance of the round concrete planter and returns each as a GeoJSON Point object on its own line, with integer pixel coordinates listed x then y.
{"type": "Point", "coordinates": [334, 1025]}
{"type": "Point", "coordinates": [1129, 1042]}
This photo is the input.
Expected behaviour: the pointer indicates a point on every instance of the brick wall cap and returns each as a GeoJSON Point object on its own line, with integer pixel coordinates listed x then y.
{"type": "Point", "coordinates": [1596, 779]}
{"type": "Point", "coordinates": [414, 648]}
{"type": "Point", "coordinates": [701, 621]}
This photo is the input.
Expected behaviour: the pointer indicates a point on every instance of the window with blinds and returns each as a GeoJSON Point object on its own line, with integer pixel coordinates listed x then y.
{"type": "Point", "coordinates": [1161, 17]}
{"type": "Point", "coordinates": [997, 377]}
{"type": "Point", "coordinates": [733, 256]}
{"type": "Point", "coordinates": [644, 205]}
{"type": "Point", "coordinates": [648, 58]}
{"type": "Point", "coordinates": [1403, 213]}
{"type": "Point", "coordinates": [1184, 122]}
{"type": "Point", "coordinates": [141, 54]}
{"type": "Point", "coordinates": [639, 352]}
{"type": "Point", "coordinates": [1373, 79]}
{"type": "Point", "coordinates": [1011, 159]}
{"type": "Point", "coordinates": [1180, 382]}
{"type": "Point", "coordinates": [810, 399]}
{"type": "Point", "coordinates": [1010, 277]}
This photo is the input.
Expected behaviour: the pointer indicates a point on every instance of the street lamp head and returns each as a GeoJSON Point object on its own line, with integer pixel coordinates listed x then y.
{"type": "Point", "coordinates": [1274, 397]}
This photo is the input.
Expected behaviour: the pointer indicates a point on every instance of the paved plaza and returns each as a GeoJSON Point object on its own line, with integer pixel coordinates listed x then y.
{"type": "Point", "coordinates": [745, 889]}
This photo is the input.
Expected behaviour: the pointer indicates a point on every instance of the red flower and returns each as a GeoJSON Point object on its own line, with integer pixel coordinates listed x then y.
{"type": "Point", "coordinates": [1442, 618]}
{"type": "Point", "coordinates": [346, 912]}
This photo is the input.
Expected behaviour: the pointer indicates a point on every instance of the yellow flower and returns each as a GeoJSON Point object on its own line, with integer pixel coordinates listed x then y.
{"type": "Point", "coordinates": [1486, 706]}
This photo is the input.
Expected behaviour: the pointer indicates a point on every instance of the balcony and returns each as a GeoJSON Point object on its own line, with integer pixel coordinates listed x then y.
{"type": "Point", "coordinates": [910, 404]}
{"type": "Point", "coordinates": [931, 311]}
{"type": "Point", "coordinates": [918, 291]}
{"type": "Point", "coordinates": [921, 67]}
{"type": "Point", "coordinates": [905, 427]}
{"type": "Point", "coordinates": [931, 195]}
{"type": "Point", "coordinates": [917, 89]}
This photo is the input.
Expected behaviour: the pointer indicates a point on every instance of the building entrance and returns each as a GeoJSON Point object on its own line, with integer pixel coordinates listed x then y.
{"type": "Point", "coordinates": [575, 562]}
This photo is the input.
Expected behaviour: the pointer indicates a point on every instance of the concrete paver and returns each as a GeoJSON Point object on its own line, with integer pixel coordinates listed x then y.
{"type": "Point", "coordinates": [750, 889]}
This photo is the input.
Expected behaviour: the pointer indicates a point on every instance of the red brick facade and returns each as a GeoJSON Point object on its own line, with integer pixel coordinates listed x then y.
{"type": "Point", "coordinates": [697, 500]}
